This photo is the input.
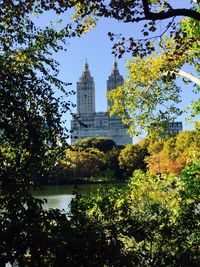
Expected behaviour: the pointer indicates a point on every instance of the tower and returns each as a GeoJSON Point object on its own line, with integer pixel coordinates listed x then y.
{"type": "Point", "coordinates": [114, 80]}
{"type": "Point", "coordinates": [97, 124]}
{"type": "Point", "coordinates": [85, 92]}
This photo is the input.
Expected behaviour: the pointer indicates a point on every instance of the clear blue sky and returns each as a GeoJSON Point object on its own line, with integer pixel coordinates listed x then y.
{"type": "Point", "coordinates": [96, 47]}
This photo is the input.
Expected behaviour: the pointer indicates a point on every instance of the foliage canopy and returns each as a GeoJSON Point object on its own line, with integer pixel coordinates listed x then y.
{"type": "Point", "coordinates": [102, 143]}
{"type": "Point", "coordinates": [150, 96]}
{"type": "Point", "coordinates": [30, 128]}
{"type": "Point", "coordinates": [31, 125]}
{"type": "Point", "coordinates": [153, 221]}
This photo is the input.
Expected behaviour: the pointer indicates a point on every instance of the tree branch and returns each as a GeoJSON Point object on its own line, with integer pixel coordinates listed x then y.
{"type": "Point", "coordinates": [189, 76]}
{"type": "Point", "coordinates": [184, 74]}
{"type": "Point", "coordinates": [170, 13]}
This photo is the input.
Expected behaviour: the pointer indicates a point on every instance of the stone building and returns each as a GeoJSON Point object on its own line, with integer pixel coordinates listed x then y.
{"type": "Point", "coordinates": [175, 127]}
{"type": "Point", "coordinates": [89, 123]}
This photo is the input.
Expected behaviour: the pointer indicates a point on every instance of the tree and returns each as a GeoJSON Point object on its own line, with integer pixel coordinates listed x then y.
{"type": "Point", "coordinates": [174, 153]}
{"type": "Point", "coordinates": [149, 12]}
{"type": "Point", "coordinates": [150, 95]}
{"type": "Point", "coordinates": [86, 163]}
{"type": "Point", "coordinates": [149, 222]}
{"type": "Point", "coordinates": [112, 162]}
{"type": "Point", "coordinates": [31, 126]}
{"type": "Point", "coordinates": [132, 158]}
{"type": "Point", "coordinates": [101, 143]}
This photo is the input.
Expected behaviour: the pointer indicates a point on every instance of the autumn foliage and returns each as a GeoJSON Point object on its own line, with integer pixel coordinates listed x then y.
{"type": "Point", "coordinates": [172, 154]}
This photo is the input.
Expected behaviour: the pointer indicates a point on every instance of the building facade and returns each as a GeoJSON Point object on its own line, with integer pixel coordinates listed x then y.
{"type": "Point", "coordinates": [89, 123]}
{"type": "Point", "coordinates": [175, 127]}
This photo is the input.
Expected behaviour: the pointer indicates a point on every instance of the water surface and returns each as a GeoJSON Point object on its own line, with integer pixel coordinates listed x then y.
{"type": "Point", "coordinates": [60, 196]}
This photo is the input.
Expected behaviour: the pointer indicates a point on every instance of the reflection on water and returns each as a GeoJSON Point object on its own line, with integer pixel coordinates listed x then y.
{"type": "Point", "coordinates": [60, 196]}
{"type": "Point", "coordinates": [57, 202]}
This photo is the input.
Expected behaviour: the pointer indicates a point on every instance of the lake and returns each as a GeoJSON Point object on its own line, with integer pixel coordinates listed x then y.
{"type": "Point", "coordinates": [59, 196]}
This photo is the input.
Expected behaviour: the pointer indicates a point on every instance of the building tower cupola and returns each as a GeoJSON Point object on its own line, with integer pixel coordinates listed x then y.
{"type": "Point", "coordinates": [86, 92]}
{"type": "Point", "coordinates": [115, 67]}
{"type": "Point", "coordinates": [86, 68]}
{"type": "Point", "coordinates": [114, 80]}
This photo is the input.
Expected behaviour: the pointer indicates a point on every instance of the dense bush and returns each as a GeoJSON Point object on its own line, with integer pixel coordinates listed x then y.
{"type": "Point", "coordinates": [153, 221]}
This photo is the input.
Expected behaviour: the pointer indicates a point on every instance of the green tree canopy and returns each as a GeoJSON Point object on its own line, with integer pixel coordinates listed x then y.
{"type": "Point", "coordinates": [132, 158]}
{"type": "Point", "coordinates": [30, 121]}
{"type": "Point", "coordinates": [149, 12]}
{"type": "Point", "coordinates": [150, 96]}
{"type": "Point", "coordinates": [86, 163]}
{"type": "Point", "coordinates": [30, 129]}
{"type": "Point", "coordinates": [101, 143]}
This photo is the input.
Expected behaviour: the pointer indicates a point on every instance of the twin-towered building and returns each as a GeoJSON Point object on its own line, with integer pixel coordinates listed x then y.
{"type": "Point", "coordinates": [97, 124]}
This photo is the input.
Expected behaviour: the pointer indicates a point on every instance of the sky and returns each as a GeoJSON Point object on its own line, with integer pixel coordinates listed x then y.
{"type": "Point", "coordinates": [96, 47]}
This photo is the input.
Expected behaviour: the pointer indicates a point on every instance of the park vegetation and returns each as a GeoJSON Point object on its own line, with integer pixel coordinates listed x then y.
{"type": "Point", "coordinates": [154, 220]}
{"type": "Point", "coordinates": [100, 159]}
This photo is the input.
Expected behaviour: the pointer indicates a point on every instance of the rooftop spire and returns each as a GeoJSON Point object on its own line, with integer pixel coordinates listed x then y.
{"type": "Point", "coordinates": [85, 76]}
{"type": "Point", "coordinates": [86, 67]}
{"type": "Point", "coordinates": [115, 66]}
